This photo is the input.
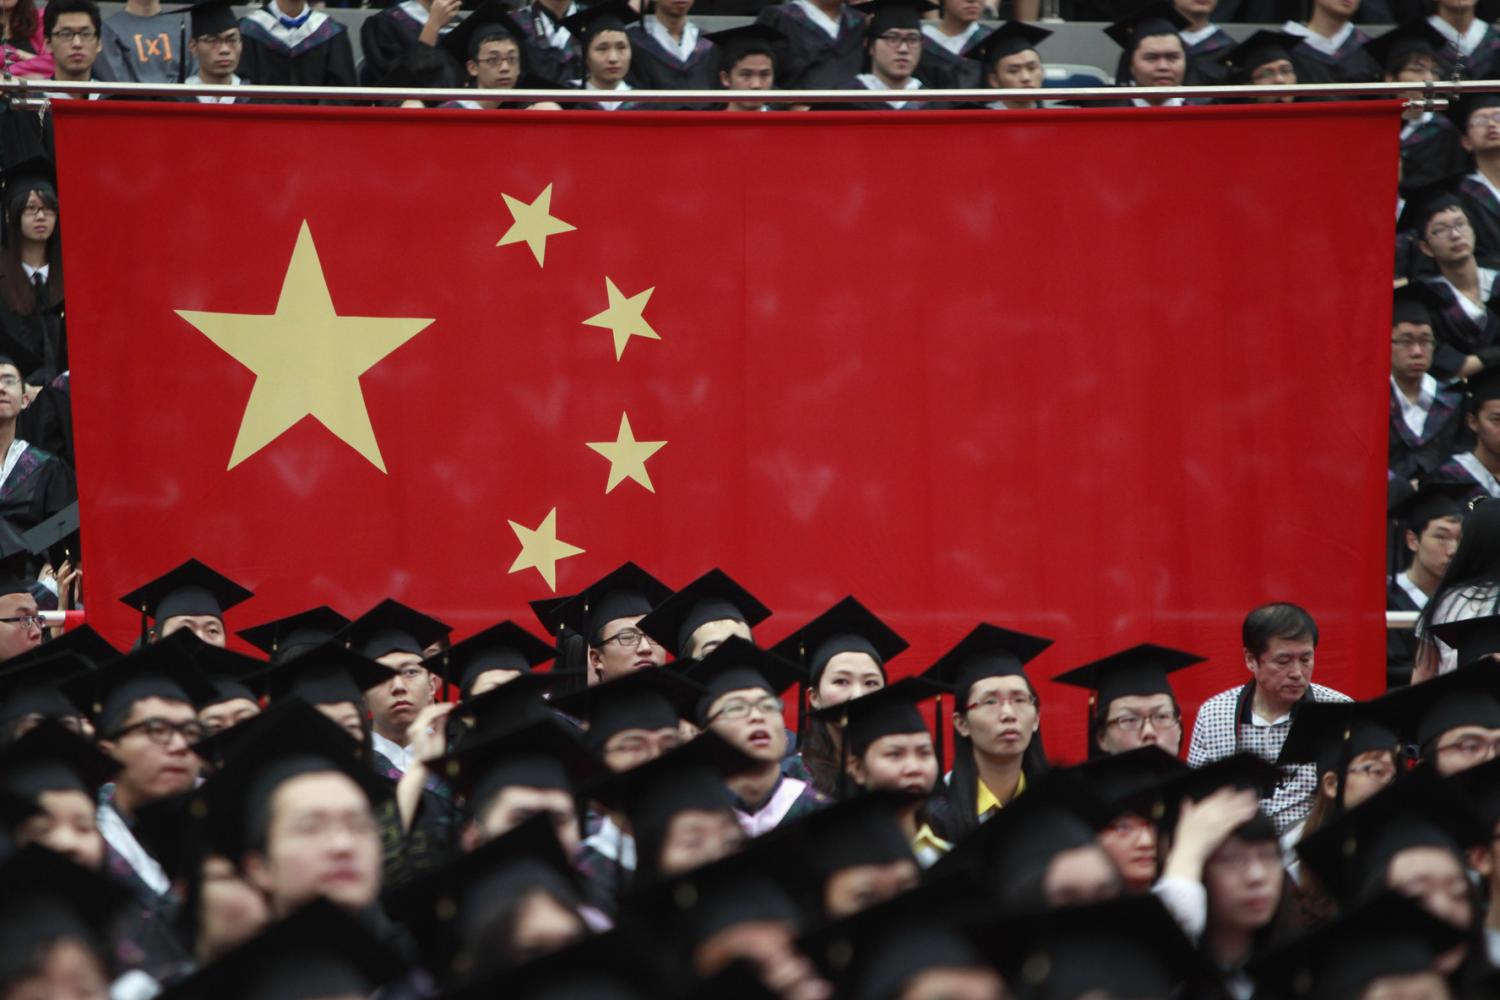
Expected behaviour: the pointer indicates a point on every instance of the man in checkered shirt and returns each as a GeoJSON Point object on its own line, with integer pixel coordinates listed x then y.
{"type": "Point", "coordinates": [1280, 640]}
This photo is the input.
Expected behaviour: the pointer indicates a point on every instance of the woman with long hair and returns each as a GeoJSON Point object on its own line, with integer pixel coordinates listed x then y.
{"type": "Point", "coordinates": [23, 47]}
{"type": "Point", "coordinates": [31, 283]}
{"type": "Point", "coordinates": [997, 731]}
{"type": "Point", "coordinates": [1470, 588]}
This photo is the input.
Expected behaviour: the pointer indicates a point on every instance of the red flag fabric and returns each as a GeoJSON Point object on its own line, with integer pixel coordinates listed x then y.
{"type": "Point", "coordinates": [1106, 376]}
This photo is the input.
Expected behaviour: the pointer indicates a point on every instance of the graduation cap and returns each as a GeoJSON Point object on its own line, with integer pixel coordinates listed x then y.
{"type": "Point", "coordinates": [284, 638]}
{"type": "Point", "coordinates": [1133, 781]}
{"type": "Point", "coordinates": [541, 754]}
{"type": "Point", "coordinates": [1331, 734]}
{"type": "Point", "coordinates": [47, 898]}
{"type": "Point", "coordinates": [451, 910]}
{"type": "Point", "coordinates": [1011, 38]}
{"type": "Point", "coordinates": [1415, 302]}
{"type": "Point", "coordinates": [515, 703]}
{"type": "Point", "coordinates": [319, 951]}
{"type": "Point", "coordinates": [391, 627]}
{"type": "Point", "coordinates": [862, 830]}
{"type": "Point", "coordinates": [210, 17]}
{"type": "Point", "coordinates": [611, 15]}
{"type": "Point", "coordinates": [227, 670]}
{"type": "Point", "coordinates": [36, 687]}
{"type": "Point", "coordinates": [548, 613]}
{"type": "Point", "coordinates": [1428, 201]}
{"type": "Point", "coordinates": [642, 699]}
{"type": "Point", "coordinates": [1350, 856]}
{"type": "Point", "coordinates": [712, 597]}
{"type": "Point", "coordinates": [1260, 48]}
{"type": "Point", "coordinates": [1396, 47]}
{"type": "Point", "coordinates": [746, 40]}
{"type": "Point", "coordinates": [1480, 787]}
{"type": "Point", "coordinates": [887, 14]}
{"type": "Point", "coordinates": [108, 693]}
{"type": "Point", "coordinates": [1157, 18]}
{"type": "Point", "coordinates": [50, 758]}
{"type": "Point", "coordinates": [1243, 771]}
{"type": "Point", "coordinates": [888, 711]}
{"type": "Point", "coordinates": [489, 21]}
{"type": "Point", "coordinates": [1469, 102]}
{"type": "Point", "coordinates": [738, 665]}
{"type": "Point", "coordinates": [625, 592]}
{"type": "Point", "coordinates": [1390, 935]}
{"type": "Point", "coordinates": [1481, 388]}
{"type": "Point", "coordinates": [847, 627]}
{"type": "Point", "coordinates": [1468, 696]}
{"type": "Point", "coordinates": [82, 641]}
{"type": "Point", "coordinates": [323, 675]}
{"type": "Point", "coordinates": [189, 589]}
{"type": "Point", "coordinates": [506, 646]}
{"type": "Point", "coordinates": [26, 361]}
{"type": "Point", "coordinates": [987, 651]}
{"type": "Point", "coordinates": [56, 537]}
{"type": "Point", "coordinates": [1137, 671]}
{"type": "Point", "coordinates": [609, 966]}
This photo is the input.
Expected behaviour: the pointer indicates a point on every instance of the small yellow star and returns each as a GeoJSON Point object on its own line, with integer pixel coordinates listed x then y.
{"type": "Point", "coordinates": [627, 456]}
{"type": "Point", "coordinates": [533, 223]}
{"type": "Point", "coordinates": [307, 359]}
{"type": "Point", "coordinates": [541, 549]}
{"type": "Point", "coordinates": [625, 316]}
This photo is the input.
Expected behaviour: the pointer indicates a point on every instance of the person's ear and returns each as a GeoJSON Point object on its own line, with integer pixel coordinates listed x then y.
{"type": "Point", "coordinates": [434, 684]}
{"type": "Point", "coordinates": [1482, 861]}
{"type": "Point", "coordinates": [1463, 140]}
{"type": "Point", "coordinates": [472, 67]}
{"type": "Point", "coordinates": [1411, 540]}
{"type": "Point", "coordinates": [856, 769]}
{"type": "Point", "coordinates": [1329, 784]}
{"type": "Point", "coordinates": [961, 724]}
{"type": "Point", "coordinates": [1250, 663]}
{"type": "Point", "coordinates": [724, 80]}
{"type": "Point", "coordinates": [813, 700]}
{"type": "Point", "coordinates": [1422, 246]}
{"type": "Point", "coordinates": [1472, 421]}
{"type": "Point", "coordinates": [257, 871]}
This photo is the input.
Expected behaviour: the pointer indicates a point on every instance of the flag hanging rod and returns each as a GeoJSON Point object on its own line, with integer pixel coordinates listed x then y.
{"type": "Point", "coordinates": [1429, 96]}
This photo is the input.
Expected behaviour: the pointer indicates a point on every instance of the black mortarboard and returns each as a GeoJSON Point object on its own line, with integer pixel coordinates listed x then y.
{"type": "Point", "coordinates": [1468, 696]}
{"type": "Point", "coordinates": [227, 670]}
{"type": "Point", "coordinates": [210, 17]}
{"type": "Point", "coordinates": [1260, 48]}
{"type": "Point", "coordinates": [287, 637]}
{"type": "Point", "coordinates": [987, 651]}
{"type": "Point", "coordinates": [319, 951]}
{"type": "Point", "coordinates": [1481, 388]}
{"type": "Point", "coordinates": [517, 702]}
{"type": "Point", "coordinates": [47, 897]}
{"type": "Point", "coordinates": [1129, 947]}
{"type": "Point", "coordinates": [489, 20]}
{"type": "Point", "coordinates": [1433, 499]}
{"type": "Point", "coordinates": [862, 830]}
{"type": "Point", "coordinates": [611, 15]}
{"type": "Point", "coordinates": [625, 592]}
{"type": "Point", "coordinates": [1415, 302]}
{"type": "Point", "coordinates": [548, 611]}
{"type": "Point", "coordinates": [884, 712]}
{"type": "Point", "coordinates": [1392, 49]}
{"type": "Point", "coordinates": [690, 777]}
{"type": "Point", "coordinates": [49, 758]}
{"type": "Point", "coordinates": [642, 699]}
{"type": "Point", "coordinates": [1331, 734]}
{"type": "Point", "coordinates": [1244, 771]}
{"type": "Point", "coordinates": [609, 966]}
{"type": "Point", "coordinates": [35, 687]}
{"type": "Point", "coordinates": [1157, 18]}
{"type": "Point", "coordinates": [451, 910]}
{"type": "Point", "coordinates": [1133, 781]}
{"type": "Point", "coordinates": [1468, 103]}
{"type": "Point", "coordinates": [83, 641]}
{"type": "Point", "coordinates": [56, 537]}
{"type": "Point", "coordinates": [1011, 38]}
{"type": "Point", "coordinates": [12, 351]}
{"type": "Point", "coordinates": [1480, 787]}
{"type": "Point", "coordinates": [1427, 201]}
{"type": "Point", "coordinates": [324, 675]}
{"type": "Point", "coordinates": [506, 646]}
{"type": "Point", "coordinates": [390, 627]}
{"type": "Point", "coordinates": [712, 597]}
{"type": "Point", "coordinates": [541, 754]}
{"type": "Point", "coordinates": [1139, 670]}
{"type": "Point", "coordinates": [107, 694]}
{"type": "Point", "coordinates": [847, 627]}
{"type": "Point", "coordinates": [1350, 855]}
{"type": "Point", "coordinates": [189, 589]}
{"type": "Point", "coordinates": [887, 14]}
{"type": "Point", "coordinates": [1390, 935]}
{"type": "Point", "coordinates": [746, 40]}
{"type": "Point", "coordinates": [739, 665]}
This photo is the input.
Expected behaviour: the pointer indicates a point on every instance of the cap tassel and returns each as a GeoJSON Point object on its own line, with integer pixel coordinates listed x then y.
{"type": "Point", "coordinates": [145, 627]}
{"type": "Point", "coordinates": [841, 788]}
{"type": "Point", "coordinates": [940, 739]}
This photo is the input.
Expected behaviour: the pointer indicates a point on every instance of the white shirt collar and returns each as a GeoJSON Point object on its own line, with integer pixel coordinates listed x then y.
{"type": "Point", "coordinates": [1201, 35]}
{"type": "Point", "coordinates": [1478, 175]}
{"type": "Point", "coordinates": [829, 25]}
{"type": "Point", "coordinates": [551, 28]}
{"type": "Point", "coordinates": [12, 456]}
{"type": "Point", "coordinates": [683, 49]}
{"type": "Point", "coordinates": [1475, 310]}
{"type": "Point", "coordinates": [1327, 46]}
{"type": "Point", "coordinates": [197, 81]}
{"type": "Point", "coordinates": [1412, 590]}
{"type": "Point", "coordinates": [45, 270]}
{"type": "Point", "coordinates": [873, 82]}
{"type": "Point", "coordinates": [953, 43]}
{"type": "Point", "coordinates": [1466, 42]}
{"type": "Point", "coordinates": [398, 755]}
{"type": "Point", "coordinates": [1171, 102]}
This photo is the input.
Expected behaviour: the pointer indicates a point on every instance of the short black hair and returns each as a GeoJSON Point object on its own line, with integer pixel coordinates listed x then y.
{"type": "Point", "coordinates": [1279, 620]}
{"type": "Point", "coordinates": [57, 8]}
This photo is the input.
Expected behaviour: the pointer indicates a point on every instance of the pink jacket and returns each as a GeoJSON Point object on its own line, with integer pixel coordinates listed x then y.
{"type": "Point", "coordinates": [38, 66]}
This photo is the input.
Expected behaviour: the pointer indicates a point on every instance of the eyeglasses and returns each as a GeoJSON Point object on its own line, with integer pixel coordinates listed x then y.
{"type": "Point", "coordinates": [901, 39]}
{"type": "Point", "coordinates": [161, 731]}
{"type": "Point", "coordinates": [1017, 701]}
{"type": "Point", "coordinates": [513, 59]}
{"type": "Point", "coordinates": [214, 41]}
{"type": "Point", "coordinates": [1450, 229]}
{"type": "Point", "coordinates": [1484, 119]}
{"type": "Point", "coordinates": [25, 621]}
{"type": "Point", "coordinates": [628, 637]}
{"type": "Point", "coordinates": [1375, 772]}
{"type": "Point", "coordinates": [1133, 723]}
{"type": "Point", "coordinates": [68, 34]}
{"type": "Point", "coordinates": [739, 708]}
{"type": "Point", "coordinates": [411, 675]}
{"type": "Point", "coordinates": [1407, 343]}
{"type": "Point", "coordinates": [40, 211]}
{"type": "Point", "coordinates": [1472, 748]}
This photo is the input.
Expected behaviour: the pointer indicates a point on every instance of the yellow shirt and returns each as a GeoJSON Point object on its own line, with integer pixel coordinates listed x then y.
{"type": "Point", "coordinates": [986, 798]}
{"type": "Point", "coordinates": [928, 846]}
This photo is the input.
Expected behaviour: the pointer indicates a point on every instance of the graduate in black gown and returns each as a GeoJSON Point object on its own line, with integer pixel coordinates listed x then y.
{"type": "Point", "coordinates": [824, 43]}
{"type": "Point", "coordinates": [1008, 60]}
{"type": "Point", "coordinates": [37, 484]}
{"type": "Point", "coordinates": [31, 282]}
{"type": "Point", "coordinates": [893, 48]}
{"type": "Point", "coordinates": [607, 52]}
{"type": "Point", "coordinates": [552, 51]}
{"type": "Point", "coordinates": [669, 52]}
{"type": "Point", "coordinates": [747, 61]}
{"type": "Point", "coordinates": [385, 38]}
{"type": "Point", "coordinates": [1332, 49]}
{"type": "Point", "coordinates": [289, 43]}
{"type": "Point", "coordinates": [1477, 117]}
{"type": "Point", "coordinates": [491, 47]}
{"type": "Point", "coordinates": [1429, 526]}
{"type": "Point", "coordinates": [1152, 54]}
{"type": "Point", "coordinates": [1417, 396]}
{"type": "Point", "coordinates": [1470, 44]}
{"type": "Point", "coordinates": [1264, 60]}
{"type": "Point", "coordinates": [1206, 42]}
{"type": "Point", "coordinates": [947, 42]}
{"type": "Point", "coordinates": [1431, 147]}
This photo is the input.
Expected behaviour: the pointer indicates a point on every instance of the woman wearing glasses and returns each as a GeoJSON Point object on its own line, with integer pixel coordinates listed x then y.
{"type": "Point", "coordinates": [1133, 704]}
{"type": "Point", "coordinates": [31, 285]}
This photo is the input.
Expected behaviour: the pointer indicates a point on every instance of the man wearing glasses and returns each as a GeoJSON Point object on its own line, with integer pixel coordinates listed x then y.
{"type": "Point", "coordinates": [397, 637]}
{"type": "Point", "coordinates": [1478, 121]}
{"type": "Point", "coordinates": [73, 30]}
{"type": "Point", "coordinates": [1133, 704]}
{"type": "Point", "coordinates": [893, 44]}
{"type": "Point", "coordinates": [20, 623]}
{"type": "Point", "coordinates": [215, 44]}
{"type": "Point", "coordinates": [34, 484]}
{"type": "Point", "coordinates": [607, 614]}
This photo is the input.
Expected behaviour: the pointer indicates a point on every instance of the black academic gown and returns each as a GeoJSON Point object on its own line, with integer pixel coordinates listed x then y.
{"type": "Point", "coordinates": [1413, 456]}
{"type": "Point", "coordinates": [1481, 64]}
{"type": "Point", "coordinates": [940, 68]}
{"type": "Point", "coordinates": [882, 103]}
{"type": "Point", "coordinates": [1400, 643]}
{"type": "Point", "coordinates": [1349, 64]}
{"type": "Point", "coordinates": [1483, 209]}
{"type": "Point", "coordinates": [386, 38]}
{"type": "Point", "coordinates": [40, 485]}
{"type": "Point", "coordinates": [557, 66]}
{"type": "Point", "coordinates": [48, 422]}
{"type": "Point", "coordinates": [1203, 65]}
{"type": "Point", "coordinates": [812, 60]}
{"type": "Point", "coordinates": [1430, 152]}
{"type": "Point", "coordinates": [42, 332]}
{"type": "Point", "coordinates": [320, 57]}
{"type": "Point", "coordinates": [1459, 336]}
{"type": "Point", "coordinates": [654, 67]}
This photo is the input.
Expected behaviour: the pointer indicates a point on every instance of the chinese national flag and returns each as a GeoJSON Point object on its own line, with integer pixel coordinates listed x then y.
{"type": "Point", "coordinates": [1105, 376]}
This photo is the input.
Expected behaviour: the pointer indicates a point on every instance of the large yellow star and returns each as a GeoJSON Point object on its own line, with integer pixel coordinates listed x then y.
{"type": "Point", "coordinates": [625, 316]}
{"type": "Point", "coordinates": [627, 456]}
{"type": "Point", "coordinates": [533, 223]}
{"type": "Point", "coordinates": [541, 549]}
{"type": "Point", "coordinates": [307, 359]}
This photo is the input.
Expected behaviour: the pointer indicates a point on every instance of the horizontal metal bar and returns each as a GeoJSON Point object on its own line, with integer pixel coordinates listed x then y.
{"type": "Point", "coordinates": [33, 89]}
{"type": "Point", "coordinates": [1402, 619]}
